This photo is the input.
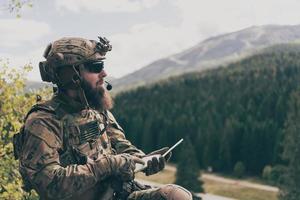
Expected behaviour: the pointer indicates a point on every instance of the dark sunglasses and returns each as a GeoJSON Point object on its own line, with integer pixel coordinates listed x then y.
{"type": "Point", "coordinates": [95, 67]}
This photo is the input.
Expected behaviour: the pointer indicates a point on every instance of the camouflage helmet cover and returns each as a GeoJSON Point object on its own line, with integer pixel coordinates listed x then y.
{"type": "Point", "coordinates": [70, 51]}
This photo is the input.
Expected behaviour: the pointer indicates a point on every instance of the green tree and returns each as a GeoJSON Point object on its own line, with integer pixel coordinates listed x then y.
{"type": "Point", "coordinates": [276, 173]}
{"type": "Point", "coordinates": [188, 172]}
{"type": "Point", "coordinates": [14, 104]}
{"type": "Point", "coordinates": [239, 169]}
{"type": "Point", "coordinates": [266, 174]}
{"type": "Point", "coordinates": [290, 187]}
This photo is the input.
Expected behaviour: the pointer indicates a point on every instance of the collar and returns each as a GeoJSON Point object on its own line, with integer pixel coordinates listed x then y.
{"type": "Point", "coordinates": [67, 103]}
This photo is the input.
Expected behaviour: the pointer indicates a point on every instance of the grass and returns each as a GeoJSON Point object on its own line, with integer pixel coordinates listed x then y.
{"type": "Point", "coordinates": [215, 187]}
{"type": "Point", "coordinates": [237, 192]}
{"type": "Point", "coordinates": [251, 179]}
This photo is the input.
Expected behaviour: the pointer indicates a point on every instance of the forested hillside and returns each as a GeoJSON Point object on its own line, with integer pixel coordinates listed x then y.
{"type": "Point", "coordinates": [231, 114]}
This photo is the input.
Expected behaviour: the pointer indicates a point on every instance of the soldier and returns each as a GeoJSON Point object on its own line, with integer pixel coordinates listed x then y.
{"type": "Point", "coordinates": [71, 147]}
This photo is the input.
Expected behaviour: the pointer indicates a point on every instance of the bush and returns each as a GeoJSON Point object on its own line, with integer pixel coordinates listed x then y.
{"type": "Point", "coordinates": [239, 169]}
{"type": "Point", "coordinates": [266, 174]}
{"type": "Point", "coordinates": [275, 176]}
{"type": "Point", "coordinates": [14, 104]}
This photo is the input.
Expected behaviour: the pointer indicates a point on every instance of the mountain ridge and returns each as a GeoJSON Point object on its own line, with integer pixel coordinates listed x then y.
{"type": "Point", "coordinates": [210, 53]}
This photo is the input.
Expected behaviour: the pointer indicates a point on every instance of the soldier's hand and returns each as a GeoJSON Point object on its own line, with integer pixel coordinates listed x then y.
{"type": "Point", "coordinates": [157, 164]}
{"type": "Point", "coordinates": [123, 166]}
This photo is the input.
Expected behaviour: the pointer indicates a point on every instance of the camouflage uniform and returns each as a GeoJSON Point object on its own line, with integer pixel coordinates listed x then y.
{"type": "Point", "coordinates": [67, 153]}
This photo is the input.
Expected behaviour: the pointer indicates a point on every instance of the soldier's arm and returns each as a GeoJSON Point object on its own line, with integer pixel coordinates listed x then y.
{"type": "Point", "coordinates": [118, 139]}
{"type": "Point", "coordinates": [39, 163]}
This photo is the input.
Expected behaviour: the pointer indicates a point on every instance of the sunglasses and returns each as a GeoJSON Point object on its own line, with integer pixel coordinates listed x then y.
{"type": "Point", "coordinates": [94, 67]}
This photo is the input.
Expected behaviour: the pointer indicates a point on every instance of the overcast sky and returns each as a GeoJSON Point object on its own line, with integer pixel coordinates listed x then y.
{"type": "Point", "coordinates": [140, 31]}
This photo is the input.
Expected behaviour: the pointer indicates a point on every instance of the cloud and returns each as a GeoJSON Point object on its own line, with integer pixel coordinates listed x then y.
{"type": "Point", "coordinates": [144, 43]}
{"type": "Point", "coordinates": [137, 46]}
{"type": "Point", "coordinates": [15, 31]}
{"type": "Point", "coordinates": [105, 5]}
{"type": "Point", "coordinates": [199, 19]}
{"type": "Point", "coordinates": [231, 15]}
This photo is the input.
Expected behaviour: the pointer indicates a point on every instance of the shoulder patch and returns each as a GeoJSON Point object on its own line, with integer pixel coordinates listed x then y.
{"type": "Point", "coordinates": [39, 129]}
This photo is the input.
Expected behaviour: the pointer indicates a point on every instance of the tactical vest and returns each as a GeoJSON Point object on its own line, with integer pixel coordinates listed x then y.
{"type": "Point", "coordinates": [84, 135]}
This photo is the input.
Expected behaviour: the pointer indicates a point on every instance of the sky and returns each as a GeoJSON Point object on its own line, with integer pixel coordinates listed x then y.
{"type": "Point", "coordinates": [140, 31]}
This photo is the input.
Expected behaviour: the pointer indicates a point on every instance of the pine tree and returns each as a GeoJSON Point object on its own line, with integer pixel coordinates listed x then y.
{"type": "Point", "coordinates": [290, 186]}
{"type": "Point", "coordinates": [188, 173]}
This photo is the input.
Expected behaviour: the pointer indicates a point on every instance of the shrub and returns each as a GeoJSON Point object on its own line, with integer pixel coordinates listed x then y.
{"type": "Point", "coordinates": [239, 169]}
{"type": "Point", "coordinates": [266, 174]}
{"type": "Point", "coordinates": [14, 104]}
{"type": "Point", "coordinates": [276, 173]}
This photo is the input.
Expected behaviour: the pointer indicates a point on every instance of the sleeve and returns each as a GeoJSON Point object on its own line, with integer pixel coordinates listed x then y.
{"type": "Point", "coordinates": [118, 139]}
{"type": "Point", "coordinates": [39, 163]}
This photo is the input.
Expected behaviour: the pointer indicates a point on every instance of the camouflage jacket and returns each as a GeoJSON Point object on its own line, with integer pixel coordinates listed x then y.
{"type": "Point", "coordinates": [58, 136]}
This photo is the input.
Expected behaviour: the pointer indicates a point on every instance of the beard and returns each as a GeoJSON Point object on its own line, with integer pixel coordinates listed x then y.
{"type": "Point", "coordinates": [97, 98]}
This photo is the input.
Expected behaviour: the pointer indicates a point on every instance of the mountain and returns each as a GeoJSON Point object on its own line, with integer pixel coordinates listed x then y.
{"type": "Point", "coordinates": [211, 53]}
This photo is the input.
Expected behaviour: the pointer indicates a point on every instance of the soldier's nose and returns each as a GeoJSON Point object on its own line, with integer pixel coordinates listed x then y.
{"type": "Point", "coordinates": [102, 74]}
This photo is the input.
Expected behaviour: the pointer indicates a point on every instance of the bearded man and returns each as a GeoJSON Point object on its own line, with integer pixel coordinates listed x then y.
{"type": "Point", "coordinates": [71, 147]}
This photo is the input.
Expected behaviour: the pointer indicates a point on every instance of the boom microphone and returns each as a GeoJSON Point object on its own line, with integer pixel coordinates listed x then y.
{"type": "Point", "coordinates": [108, 85]}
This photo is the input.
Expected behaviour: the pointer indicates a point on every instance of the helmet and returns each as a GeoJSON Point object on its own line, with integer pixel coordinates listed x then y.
{"type": "Point", "coordinates": [67, 53]}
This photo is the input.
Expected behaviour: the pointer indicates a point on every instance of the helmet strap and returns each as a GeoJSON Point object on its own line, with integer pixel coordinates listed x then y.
{"type": "Point", "coordinates": [77, 80]}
